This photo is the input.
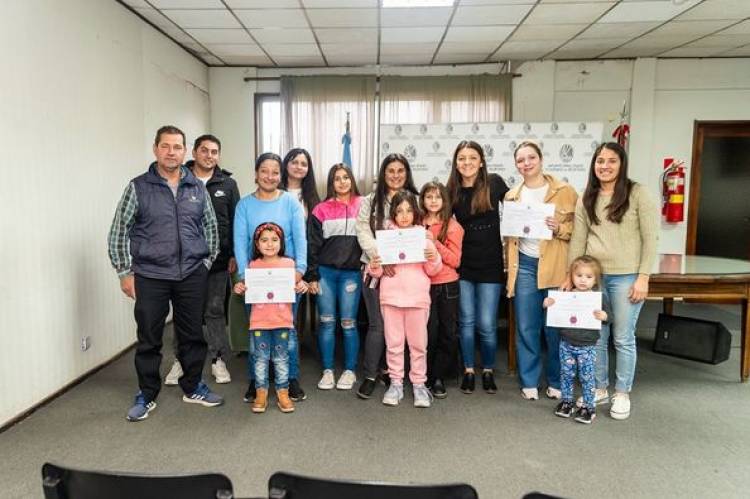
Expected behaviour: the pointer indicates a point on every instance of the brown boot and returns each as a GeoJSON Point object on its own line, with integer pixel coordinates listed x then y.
{"type": "Point", "coordinates": [261, 400]}
{"type": "Point", "coordinates": [284, 402]}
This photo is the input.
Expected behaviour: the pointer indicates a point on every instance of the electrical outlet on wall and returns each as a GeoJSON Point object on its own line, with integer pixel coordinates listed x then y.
{"type": "Point", "coordinates": [85, 343]}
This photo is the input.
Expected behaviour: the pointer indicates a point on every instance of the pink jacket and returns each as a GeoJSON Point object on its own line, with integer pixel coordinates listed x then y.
{"type": "Point", "coordinates": [410, 287]}
{"type": "Point", "coordinates": [450, 252]}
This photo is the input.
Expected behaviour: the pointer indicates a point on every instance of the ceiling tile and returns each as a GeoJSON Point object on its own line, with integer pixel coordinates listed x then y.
{"type": "Point", "coordinates": [341, 49]}
{"type": "Point", "coordinates": [490, 15]}
{"type": "Point", "coordinates": [486, 47]}
{"type": "Point", "coordinates": [405, 59]}
{"type": "Point", "coordinates": [352, 60]}
{"type": "Point", "coordinates": [177, 34]}
{"type": "Point", "coordinates": [263, 4]}
{"type": "Point", "coordinates": [408, 35]}
{"type": "Point", "coordinates": [738, 52]}
{"type": "Point", "coordinates": [655, 41]}
{"type": "Point", "coordinates": [498, 2]}
{"type": "Point", "coordinates": [248, 60]}
{"type": "Point", "coordinates": [154, 17]}
{"type": "Point", "coordinates": [283, 35]}
{"type": "Point", "coordinates": [603, 44]}
{"type": "Point", "coordinates": [548, 32]}
{"type": "Point", "coordinates": [203, 18]}
{"type": "Point", "coordinates": [742, 28]}
{"type": "Point", "coordinates": [690, 52]}
{"type": "Point", "coordinates": [643, 11]}
{"type": "Point", "coordinates": [478, 33]}
{"type": "Point", "coordinates": [213, 61]}
{"type": "Point", "coordinates": [628, 53]}
{"type": "Point", "coordinates": [722, 41]}
{"type": "Point", "coordinates": [230, 35]}
{"type": "Point", "coordinates": [345, 35]}
{"type": "Point", "coordinates": [343, 18]}
{"type": "Point", "coordinates": [292, 50]}
{"type": "Point", "coordinates": [325, 4]}
{"type": "Point", "coordinates": [277, 18]}
{"type": "Point", "coordinates": [718, 9]}
{"type": "Point", "coordinates": [532, 49]}
{"type": "Point", "coordinates": [590, 1]}
{"type": "Point", "coordinates": [425, 16]}
{"type": "Point", "coordinates": [408, 48]}
{"type": "Point", "coordinates": [137, 4]}
{"type": "Point", "coordinates": [474, 58]}
{"type": "Point", "coordinates": [601, 30]}
{"type": "Point", "coordinates": [566, 14]}
{"type": "Point", "coordinates": [694, 28]}
{"type": "Point", "coordinates": [234, 49]}
{"type": "Point", "coordinates": [187, 4]}
{"type": "Point", "coordinates": [299, 62]}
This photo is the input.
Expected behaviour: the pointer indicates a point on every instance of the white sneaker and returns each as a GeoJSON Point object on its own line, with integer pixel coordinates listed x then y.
{"type": "Point", "coordinates": [553, 393]}
{"type": "Point", "coordinates": [620, 406]}
{"type": "Point", "coordinates": [219, 371]}
{"type": "Point", "coordinates": [327, 382]}
{"type": "Point", "coordinates": [422, 396]}
{"type": "Point", "coordinates": [600, 397]}
{"type": "Point", "coordinates": [347, 380]}
{"type": "Point", "coordinates": [394, 394]}
{"type": "Point", "coordinates": [174, 375]}
{"type": "Point", "coordinates": [530, 393]}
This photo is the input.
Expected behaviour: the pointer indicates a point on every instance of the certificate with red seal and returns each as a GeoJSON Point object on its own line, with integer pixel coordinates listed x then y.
{"type": "Point", "coordinates": [269, 285]}
{"type": "Point", "coordinates": [574, 309]}
{"type": "Point", "coordinates": [401, 245]}
{"type": "Point", "coordinates": [526, 220]}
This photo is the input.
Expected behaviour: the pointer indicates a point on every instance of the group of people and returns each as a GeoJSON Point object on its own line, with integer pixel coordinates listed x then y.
{"type": "Point", "coordinates": [166, 245]}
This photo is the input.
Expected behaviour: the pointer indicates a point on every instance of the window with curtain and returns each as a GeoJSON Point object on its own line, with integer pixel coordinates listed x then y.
{"type": "Point", "coordinates": [313, 116]}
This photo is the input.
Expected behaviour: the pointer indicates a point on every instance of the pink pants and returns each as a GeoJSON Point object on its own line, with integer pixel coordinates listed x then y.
{"type": "Point", "coordinates": [410, 325]}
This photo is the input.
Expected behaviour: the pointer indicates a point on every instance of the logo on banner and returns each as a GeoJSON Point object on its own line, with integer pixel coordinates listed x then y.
{"type": "Point", "coordinates": [475, 129]}
{"type": "Point", "coordinates": [385, 147]}
{"type": "Point", "coordinates": [527, 128]}
{"type": "Point", "coordinates": [511, 181]}
{"type": "Point", "coordinates": [566, 153]}
{"type": "Point", "coordinates": [410, 152]}
{"type": "Point", "coordinates": [489, 152]}
{"type": "Point", "coordinates": [449, 129]}
{"type": "Point", "coordinates": [500, 128]}
{"type": "Point", "coordinates": [554, 127]}
{"type": "Point", "coordinates": [436, 146]}
{"type": "Point", "coordinates": [423, 129]}
{"type": "Point", "coordinates": [399, 130]}
{"type": "Point", "coordinates": [594, 145]}
{"type": "Point", "coordinates": [541, 145]}
{"type": "Point", "coordinates": [512, 146]}
{"type": "Point", "coordinates": [582, 128]}
{"type": "Point", "coordinates": [448, 164]}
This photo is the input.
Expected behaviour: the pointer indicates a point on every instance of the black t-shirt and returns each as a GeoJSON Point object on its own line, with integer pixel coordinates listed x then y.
{"type": "Point", "coordinates": [481, 253]}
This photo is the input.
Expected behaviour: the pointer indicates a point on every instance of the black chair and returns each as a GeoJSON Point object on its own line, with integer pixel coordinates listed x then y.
{"type": "Point", "coordinates": [65, 483]}
{"type": "Point", "coordinates": [288, 486]}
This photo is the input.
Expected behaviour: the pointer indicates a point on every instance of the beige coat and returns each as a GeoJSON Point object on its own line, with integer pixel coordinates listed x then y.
{"type": "Point", "coordinates": [553, 253]}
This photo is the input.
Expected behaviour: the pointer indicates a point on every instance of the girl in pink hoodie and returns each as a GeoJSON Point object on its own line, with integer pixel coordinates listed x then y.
{"type": "Point", "coordinates": [405, 305]}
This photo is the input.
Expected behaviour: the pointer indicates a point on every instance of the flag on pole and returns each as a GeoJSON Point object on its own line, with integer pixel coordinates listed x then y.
{"type": "Point", "coordinates": [347, 141]}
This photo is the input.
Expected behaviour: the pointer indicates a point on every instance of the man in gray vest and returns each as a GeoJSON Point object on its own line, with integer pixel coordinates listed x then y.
{"type": "Point", "coordinates": [162, 243]}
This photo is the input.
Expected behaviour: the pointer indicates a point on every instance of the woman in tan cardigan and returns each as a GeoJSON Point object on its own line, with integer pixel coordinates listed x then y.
{"type": "Point", "coordinates": [534, 266]}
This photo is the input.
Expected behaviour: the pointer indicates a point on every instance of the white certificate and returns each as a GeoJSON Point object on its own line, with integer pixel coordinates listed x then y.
{"type": "Point", "coordinates": [269, 285]}
{"type": "Point", "coordinates": [526, 220]}
{"type": "Point", "coordinates": [574, 309]}
{"type": "Point", "coordinates": [401, 245]}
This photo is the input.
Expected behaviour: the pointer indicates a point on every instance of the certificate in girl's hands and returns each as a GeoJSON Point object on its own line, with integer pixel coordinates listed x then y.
{"type": "Point", "coordinates": [401, 245]}
{"type": "Point", "coordinates": [269, 285]}
{"type": "Point", "coordinates": [526, 220]}
{"type": "Point", "coordinates": [574, 309]}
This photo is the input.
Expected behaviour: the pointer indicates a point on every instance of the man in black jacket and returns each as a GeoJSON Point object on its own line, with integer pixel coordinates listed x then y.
{"type": "Point", "coordinates": [224, 196]}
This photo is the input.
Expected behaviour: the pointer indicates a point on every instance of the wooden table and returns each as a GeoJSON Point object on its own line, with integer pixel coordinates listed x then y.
{"type": "Point", "coordinates": [689, 276]}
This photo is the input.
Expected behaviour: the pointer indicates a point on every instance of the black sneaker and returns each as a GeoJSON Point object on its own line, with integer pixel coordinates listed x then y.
{"type": "Point", "coordinates": [468, 382]}
{"type": "Point", "coordinates": [438, 389]}
{"type": "Point", "coordinates": [385, 379]}
{"type": "Point", "coordinates": [585, 415]}
{"type": "Point", "coordinates": [296, 392]}
{"type": "Point", "coordinates": [565, 409]}
{"type": "Point", "coordinates": [366, 388]}
{"type": "Point", "coordinates": [250, 393]}
{"type": "Point", "coordinates": [488, 382]}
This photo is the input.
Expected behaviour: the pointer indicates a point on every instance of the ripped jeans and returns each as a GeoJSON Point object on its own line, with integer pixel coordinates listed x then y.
{"type": "Point", "coordinates": [273, 345]}
{"type": "Point", "coordinates": [339, 288]}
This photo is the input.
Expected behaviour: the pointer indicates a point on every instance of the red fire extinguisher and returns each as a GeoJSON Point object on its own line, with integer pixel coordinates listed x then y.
{"type": "Point", "coordinates": [673, 191]}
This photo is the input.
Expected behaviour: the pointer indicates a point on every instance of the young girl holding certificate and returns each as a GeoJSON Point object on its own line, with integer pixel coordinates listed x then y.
{"type": "Point", "coordinates": [270, 323]}
{"type": "Point", "coordinates": [577, 346]}
{"type": "Point", "coordinates": [405, 306]}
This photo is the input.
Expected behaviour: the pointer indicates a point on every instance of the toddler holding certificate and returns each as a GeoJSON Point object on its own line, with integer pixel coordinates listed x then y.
{"type": "Point", "coordinates": [270, 322]}
{"type": "Point", "coordinates": [405, 305]}
{"type": "Point", "coordinates": [577, 345]}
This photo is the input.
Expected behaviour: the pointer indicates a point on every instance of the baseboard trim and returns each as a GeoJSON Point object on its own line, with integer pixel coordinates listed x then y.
{"type": "Point", "coordinates": [28, 412]}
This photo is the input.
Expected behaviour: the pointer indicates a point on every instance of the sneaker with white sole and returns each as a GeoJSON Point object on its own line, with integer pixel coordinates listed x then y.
{"type": "Point", "coordinates": [327, 382]}
{"type": "Point", "coordinates": [600, 397]}
{"type": "Point", "coordinates": [394, 394]}
{"type": "Point", "coordinates": [203, 396]}
{"type": "Point", "coordinates": [422, 396]}
{"type": "Point", "coordinates": [140, 408]}
{"type": "Point", "coordinates": [530, 393]}
{"type": "Point", "coordinates": [174, 375]}
{"type": "Point", "coordinates": [220, 372]}
{"type": "Point", "coordinates": [620, 408]}
{"type": "Point", "coordinates": [554, 393]}
{"type": "Point", "coordinates": [347, 380]}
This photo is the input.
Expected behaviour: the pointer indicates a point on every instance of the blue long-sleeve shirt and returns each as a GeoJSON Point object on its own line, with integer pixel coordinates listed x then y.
{"type": "Point", "coordinates": [284, 211]}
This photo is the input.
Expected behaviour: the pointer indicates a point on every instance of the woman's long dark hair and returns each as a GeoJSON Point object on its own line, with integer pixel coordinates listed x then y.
{"type": "Point", "coordinates": [330, 189]}
{"type": "Point", "coordinates": [409, 197]}
{"type": "Point", "coordinates": [480, 200]}
{"type": "Point", "coordinates": [377, 206]}
{"type": "Point", "coordinates": [445, 211]}
{"type": "Point", "coordinates": [309, 191]}
{"type": "Point", "coordinates": [620, 202]}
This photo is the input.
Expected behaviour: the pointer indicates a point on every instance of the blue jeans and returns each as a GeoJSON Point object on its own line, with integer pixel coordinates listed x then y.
{"type": "Point", "coordinates": [340, 287]}
{"type": "Point", "coordinates": [530, 322]}
{"type": "Point", "coordinates": [584, 358]}
{"type": "Point", "coordinates": [478, 310]}
{"type": "Point", "coordinates": [271, 344]}
{"type": "Point", "coordinates": [293, 346]}
{"type": "Point", "coordinates": [622, 326]}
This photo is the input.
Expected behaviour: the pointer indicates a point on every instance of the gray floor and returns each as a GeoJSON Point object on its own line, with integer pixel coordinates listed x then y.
{"type": "Point", "coordinates": [688, 436]}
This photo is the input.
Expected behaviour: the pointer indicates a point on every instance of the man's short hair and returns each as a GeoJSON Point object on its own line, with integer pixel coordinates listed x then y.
{"type": "Point", "coordinates": [168, 130]}
{"type": "Point", "coordinates": [204, 137]}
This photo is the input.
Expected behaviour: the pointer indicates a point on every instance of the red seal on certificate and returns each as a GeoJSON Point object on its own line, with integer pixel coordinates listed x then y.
{"type": "Point", "coordinates": [573, 319]}
{"type": "Point", "coordinates": [402, 256]}
{"type": "Point", "coordinates": [269, 295]}
{"type": "Point", "coordinates": [526, 229]}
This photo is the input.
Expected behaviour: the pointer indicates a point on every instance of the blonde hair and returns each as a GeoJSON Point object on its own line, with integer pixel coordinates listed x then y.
{"type": "Point", "coordinates": [588, 261]}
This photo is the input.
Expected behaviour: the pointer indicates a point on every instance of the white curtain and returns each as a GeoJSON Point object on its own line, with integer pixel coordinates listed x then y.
{"type": "Point", "coordinates": [445, 99]}
{"type": "Point", "coordinates": [313, 116]}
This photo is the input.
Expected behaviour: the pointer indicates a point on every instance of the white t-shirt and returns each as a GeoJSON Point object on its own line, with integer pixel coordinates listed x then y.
{"type": "Point", "coordinates": [297, 194]}
{"type": "Point", "coordinates": [530, 247]}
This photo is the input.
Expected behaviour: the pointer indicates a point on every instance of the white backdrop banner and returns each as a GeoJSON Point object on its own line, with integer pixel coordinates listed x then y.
{"type": "Point", "coordinates": [566, 147]}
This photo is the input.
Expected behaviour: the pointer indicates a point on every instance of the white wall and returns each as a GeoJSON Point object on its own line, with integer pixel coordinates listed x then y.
{"type": "Point", "coordinates": [87, 84]}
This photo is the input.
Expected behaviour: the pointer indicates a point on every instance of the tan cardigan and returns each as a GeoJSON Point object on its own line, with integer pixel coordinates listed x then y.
{"type": "Point", "coordinates": [553, 253]}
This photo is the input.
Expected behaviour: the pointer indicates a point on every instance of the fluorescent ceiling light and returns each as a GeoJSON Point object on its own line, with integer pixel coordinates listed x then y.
{"type": "Point", "coordinates": [417, 3]}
